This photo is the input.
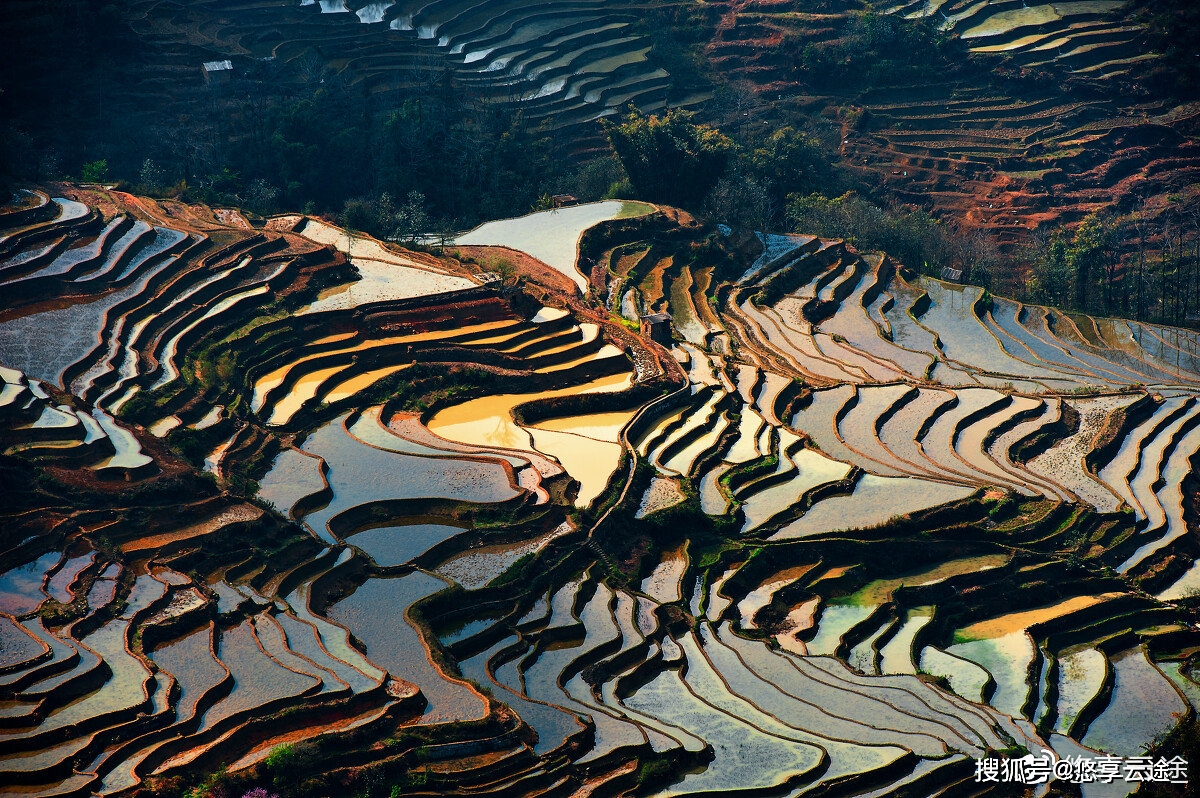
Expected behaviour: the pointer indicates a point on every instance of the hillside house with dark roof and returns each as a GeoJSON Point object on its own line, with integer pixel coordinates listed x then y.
{"type": "Point", "coordinates": [657, 327]}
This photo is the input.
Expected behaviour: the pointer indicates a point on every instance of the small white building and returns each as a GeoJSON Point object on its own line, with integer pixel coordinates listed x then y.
{"type": "Point", "coordinates": [217, 72]}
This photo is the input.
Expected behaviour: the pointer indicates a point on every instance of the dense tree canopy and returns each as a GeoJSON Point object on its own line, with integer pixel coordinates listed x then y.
{"type": "Point", "coordinates": [913, 237]}
{"type": "Point", "coordinates": [670, 158]}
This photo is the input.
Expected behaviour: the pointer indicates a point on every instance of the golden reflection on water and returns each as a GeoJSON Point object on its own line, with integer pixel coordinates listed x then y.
{"type": "Point", "coordinates": [304, 389]}
{"type": "Point", "coordinates": [277, 376]}
{"type": "Point", "coordinates": [488, 419]}
{"type": "Point", "coordinates": [586, 459]}
{"type": "Point", "coordinates": [333, 339]}
{"type": "Point", "coordinates": [600, 426]}
{"type": "Point", "coordinates": [605, 352]}
{"type": "Point", "coordinates": [363, 381]}
{"type": "Point", "coordinates": [1016, 621]}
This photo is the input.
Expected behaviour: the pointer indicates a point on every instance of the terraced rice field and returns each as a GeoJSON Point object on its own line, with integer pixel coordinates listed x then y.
{"type": "Point", "coordinates": [565, 65]}
{"type": "Point", "coordinates": [972, 146]}
{"type": "Point", "coordinates": [509, 539]}
{"type": "Point", "coordinates": [1074, 33]}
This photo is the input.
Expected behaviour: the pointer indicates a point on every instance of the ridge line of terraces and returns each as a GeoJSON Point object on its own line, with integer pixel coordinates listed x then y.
{"type": "Point", "coordinates": [1095, 611]}
{"type": "Point", "coordinates": [788, 336]}
{"type": "Point", "coordinates": [490, 45]}
{"type": "Point", "coordinates": [150, 740]}
{"type": "Point", "coordinates": [606, 607]}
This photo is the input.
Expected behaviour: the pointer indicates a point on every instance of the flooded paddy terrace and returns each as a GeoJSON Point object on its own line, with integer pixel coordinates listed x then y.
{"type": "Point", "coordinates": [793, 543]}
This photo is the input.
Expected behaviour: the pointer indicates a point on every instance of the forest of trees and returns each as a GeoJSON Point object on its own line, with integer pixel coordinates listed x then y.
{"type": "Point", "coordinates": [1143, 266]}
{"type": "Point", "coordinates": [881, 50]}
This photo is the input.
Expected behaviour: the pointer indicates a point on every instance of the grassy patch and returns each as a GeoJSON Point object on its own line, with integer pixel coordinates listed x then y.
{"type": "Point", "coordinates": [630, 209]}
